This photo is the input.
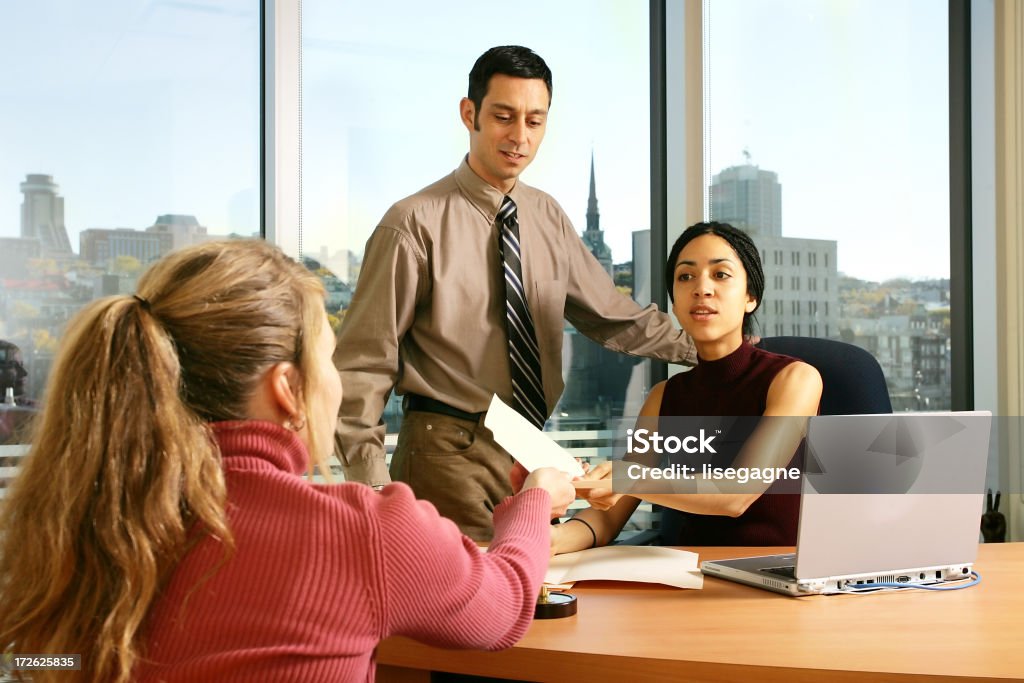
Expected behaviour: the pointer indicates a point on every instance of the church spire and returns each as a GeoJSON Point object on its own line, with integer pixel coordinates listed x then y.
{"type": "Point", "coordinates": [593, 237]}
{"type": "Point", "coordinates": [593, 217]}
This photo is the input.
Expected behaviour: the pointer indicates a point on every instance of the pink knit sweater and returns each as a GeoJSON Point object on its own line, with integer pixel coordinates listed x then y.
{"type": "Point", "coordinates": [322, 573]}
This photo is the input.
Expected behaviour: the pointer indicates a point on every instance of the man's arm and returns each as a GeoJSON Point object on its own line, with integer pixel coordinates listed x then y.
{"type": "Point", "coordinates": [367, 358]}
{"type": "Point", "coordinates": [597, 309]}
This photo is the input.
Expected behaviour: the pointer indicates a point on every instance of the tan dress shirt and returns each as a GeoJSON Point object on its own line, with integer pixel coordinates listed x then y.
{"type": "Point", "coordinates": [428, 315]}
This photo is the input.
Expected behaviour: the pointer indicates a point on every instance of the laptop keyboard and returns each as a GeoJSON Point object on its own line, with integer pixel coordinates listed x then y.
{"type": "Point", "coordinates": [788, 572]}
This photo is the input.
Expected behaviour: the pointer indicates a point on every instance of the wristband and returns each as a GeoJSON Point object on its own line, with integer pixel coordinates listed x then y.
{"type": "Point", "coordinates": [593, 534]}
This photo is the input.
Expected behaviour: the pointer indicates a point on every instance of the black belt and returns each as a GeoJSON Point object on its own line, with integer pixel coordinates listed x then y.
{"type": "Point", "coordinates": [431, 405]}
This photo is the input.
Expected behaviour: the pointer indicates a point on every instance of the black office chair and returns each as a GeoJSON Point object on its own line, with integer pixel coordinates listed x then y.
{"type": "Point", "coordinates": [852, 380]}
{"type": "Point", "coordinates": [852, 384]}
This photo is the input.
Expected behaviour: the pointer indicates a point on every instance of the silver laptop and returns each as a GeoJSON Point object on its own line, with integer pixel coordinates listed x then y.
{"type": "Point", "coordinates": [885, 499]}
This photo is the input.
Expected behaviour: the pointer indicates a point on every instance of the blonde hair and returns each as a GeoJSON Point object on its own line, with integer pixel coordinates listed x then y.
{"type": "Point", "coordinates": [123, 473]}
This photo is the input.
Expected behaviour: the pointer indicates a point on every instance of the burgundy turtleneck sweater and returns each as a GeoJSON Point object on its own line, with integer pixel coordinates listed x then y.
{"type": "Point", "coordinates": [322, 573]}
{"type": "Point", "coordinates": [735, 385]}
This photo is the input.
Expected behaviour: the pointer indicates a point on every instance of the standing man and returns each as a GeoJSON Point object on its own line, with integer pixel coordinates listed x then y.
{"type": "Point", "coordinates": [462, 294]}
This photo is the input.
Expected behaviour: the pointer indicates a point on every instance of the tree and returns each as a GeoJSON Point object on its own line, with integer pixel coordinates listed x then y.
{"type": "Point", "coordinates": [126, 265]}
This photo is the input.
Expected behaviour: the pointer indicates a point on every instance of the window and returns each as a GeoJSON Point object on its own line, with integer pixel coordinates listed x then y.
{"type": "Point", "coordinates": [772, 114]}
{"type": "Point", "coordinates": [136, 132]}
{"type": "Point", "coordinates": [380, 121]}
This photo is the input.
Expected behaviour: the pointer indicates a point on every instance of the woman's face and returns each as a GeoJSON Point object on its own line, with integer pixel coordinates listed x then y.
{"type": "Point", "coordinates": [323, 408]}
{"type": "Point", "coordinates": [710, 290]}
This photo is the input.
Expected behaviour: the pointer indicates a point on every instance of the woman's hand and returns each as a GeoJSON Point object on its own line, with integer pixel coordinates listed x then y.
{"type": "Point", "coordinates": [557, 484]}
{"type": "Point", "coordinates": [600, 498]}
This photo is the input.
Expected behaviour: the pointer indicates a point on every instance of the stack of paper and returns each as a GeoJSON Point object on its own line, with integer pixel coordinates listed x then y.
{"type": "Point", "coordinates": [647, 564]}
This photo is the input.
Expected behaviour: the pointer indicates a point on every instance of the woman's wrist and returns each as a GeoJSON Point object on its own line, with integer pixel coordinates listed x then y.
{"type": "Point", "coordinates": [589, 527]}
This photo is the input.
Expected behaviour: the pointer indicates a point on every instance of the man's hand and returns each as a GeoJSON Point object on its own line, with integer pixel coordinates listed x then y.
{"type": "Point", "coordinates": [517, 476]}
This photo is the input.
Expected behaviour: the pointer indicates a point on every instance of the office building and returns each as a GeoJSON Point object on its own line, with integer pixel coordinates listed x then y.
{"type": "Point", "coordinates": [184, 230]}
{"type": "Point", "coordinates": [101, 247]}
{"type": "Point", "coordinates": [801, 293]}
{"type": "Point", "coordinates": [801, 276]}
{"type": "Point", "coordinates": [15, 253]}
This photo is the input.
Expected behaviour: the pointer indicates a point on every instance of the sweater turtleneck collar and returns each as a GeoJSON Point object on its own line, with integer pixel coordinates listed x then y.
{"type": "Point", "coordinates": [727, 368]}
{"type": "Point", "coordinates": [264, 441]}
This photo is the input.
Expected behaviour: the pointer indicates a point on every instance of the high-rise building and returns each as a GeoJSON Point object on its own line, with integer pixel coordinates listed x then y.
{"type": "Point", "coordinates": [801, 289]}
{"type": "Point", "coordinates": [42, 215]}
{"type": "Point", "coordinates": [748, 198]}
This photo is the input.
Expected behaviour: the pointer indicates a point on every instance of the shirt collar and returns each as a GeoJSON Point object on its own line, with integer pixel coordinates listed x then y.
{"type": "Point", "coordinates": [482, 195]}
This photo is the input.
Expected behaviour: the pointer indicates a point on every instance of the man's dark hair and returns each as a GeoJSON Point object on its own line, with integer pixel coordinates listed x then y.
{"type": "Point", "coordinates": [508, 60]}
{"type": "Point", "coordinates": [744, 248]}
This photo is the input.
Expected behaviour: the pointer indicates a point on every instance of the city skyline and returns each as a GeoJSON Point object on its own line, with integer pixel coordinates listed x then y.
{"type": "Point", "coordinates": [315, 252]}
{"type": "Point", "coordinates": [149, 108]}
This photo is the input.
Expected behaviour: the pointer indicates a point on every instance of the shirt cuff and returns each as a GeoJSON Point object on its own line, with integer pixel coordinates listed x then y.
{"type": "Point", "coordinates": [372, 471]}
{"type": "Point", "coordinates": [691, 351]}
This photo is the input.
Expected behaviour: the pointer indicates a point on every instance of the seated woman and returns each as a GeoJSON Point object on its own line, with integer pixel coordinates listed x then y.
{"type": "Point", "coordinates": [715, 280]}
{"type": "Point", "coordinates": [161, 526]}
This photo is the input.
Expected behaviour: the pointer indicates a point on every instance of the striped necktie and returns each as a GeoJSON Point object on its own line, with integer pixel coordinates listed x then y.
{"type": "Point", "coordinates": [527, 390]}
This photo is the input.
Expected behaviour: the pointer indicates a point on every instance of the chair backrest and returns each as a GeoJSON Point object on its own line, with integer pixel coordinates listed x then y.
{"type": "Point", "coordinates": [852, 384]}
{"type": "Point", "coordinates": [852, 379]}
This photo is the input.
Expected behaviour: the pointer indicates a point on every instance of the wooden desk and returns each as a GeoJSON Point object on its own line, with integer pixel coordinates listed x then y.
{"type": "Point", "coordinates": [730, 632]}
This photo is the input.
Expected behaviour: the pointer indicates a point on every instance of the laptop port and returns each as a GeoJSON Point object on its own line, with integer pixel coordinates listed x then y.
{"type": "Point", "coordinates": [902, 579]}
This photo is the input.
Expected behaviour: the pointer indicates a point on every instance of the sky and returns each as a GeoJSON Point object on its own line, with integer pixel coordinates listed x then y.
{"type": "Point", "coordinates": [140, 108]}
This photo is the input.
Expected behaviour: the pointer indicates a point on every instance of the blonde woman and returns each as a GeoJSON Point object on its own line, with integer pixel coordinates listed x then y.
{"type": "Point", "coordinates": [161, 526]}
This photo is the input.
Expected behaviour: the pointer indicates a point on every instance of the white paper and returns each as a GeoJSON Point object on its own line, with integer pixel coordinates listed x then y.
{"type": "Point", "coordinates": [644, 563]}
{"type": "Point", "coordinates": [527, 444]}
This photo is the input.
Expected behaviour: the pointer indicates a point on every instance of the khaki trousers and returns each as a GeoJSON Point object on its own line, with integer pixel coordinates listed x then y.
{"type": "Point", "coordinates": [456, 465]}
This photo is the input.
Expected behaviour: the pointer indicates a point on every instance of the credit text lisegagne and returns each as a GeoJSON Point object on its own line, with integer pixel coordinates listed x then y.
{"type": "Point", "coordinates": [645, 441]}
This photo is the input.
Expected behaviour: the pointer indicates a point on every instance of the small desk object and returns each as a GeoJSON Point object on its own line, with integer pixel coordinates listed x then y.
{"type": "Point", "coordinates": [731, 632]}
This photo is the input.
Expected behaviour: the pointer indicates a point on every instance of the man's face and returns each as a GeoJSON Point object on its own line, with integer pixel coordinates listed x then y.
{"type": "Point", "coordinates": [506, 133]}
